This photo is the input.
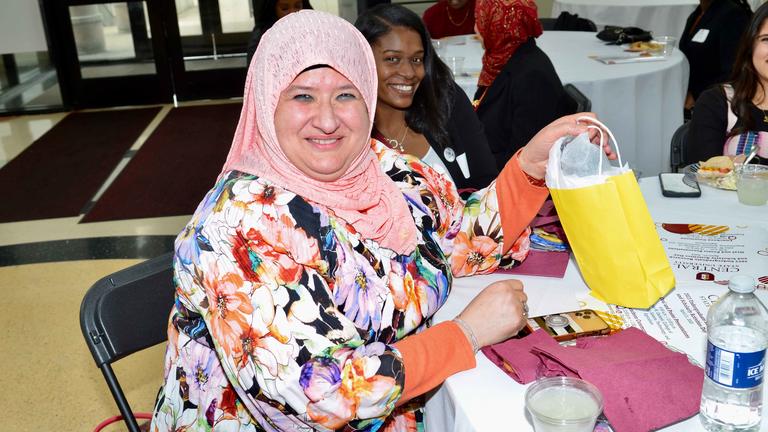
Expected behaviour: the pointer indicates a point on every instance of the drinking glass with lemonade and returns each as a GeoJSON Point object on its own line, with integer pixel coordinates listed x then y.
{"type": "Point", "coordinates": [752, 184]}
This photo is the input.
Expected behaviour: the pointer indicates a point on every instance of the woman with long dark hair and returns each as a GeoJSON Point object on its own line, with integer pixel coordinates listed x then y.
{"type": "Point", "coordinates": [270, 12]}
{"type": "Point", "coordinates": [732, 118]}
{"type": "Point", "coordinates": [420, 109]}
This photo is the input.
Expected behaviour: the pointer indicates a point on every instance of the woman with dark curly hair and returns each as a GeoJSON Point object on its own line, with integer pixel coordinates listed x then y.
{"type": "Point", "coordinates": [732, 118]}
{"type": "Point", "coordinates": [421, 110]}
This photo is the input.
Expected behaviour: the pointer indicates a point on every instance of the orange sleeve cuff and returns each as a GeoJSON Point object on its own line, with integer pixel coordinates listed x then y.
{"type": "Point", "coordinates": [432, 356]}
{"type": "Point", "coordinates": [519, 200]}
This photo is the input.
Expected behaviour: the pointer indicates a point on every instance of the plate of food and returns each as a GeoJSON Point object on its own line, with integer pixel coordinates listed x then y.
{"type": "Point", "coordinates": [718, 172]}
{"type": "Point", "coordinates": [649, 46]}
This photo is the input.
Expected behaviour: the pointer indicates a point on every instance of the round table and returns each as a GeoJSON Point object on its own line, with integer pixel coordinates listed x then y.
{"type": "Point", "coordinates": [662, 17]}
{"type": "Point", "coordinates": [486, 399]}
{"type": "Point", "coordinates": [642, 103]}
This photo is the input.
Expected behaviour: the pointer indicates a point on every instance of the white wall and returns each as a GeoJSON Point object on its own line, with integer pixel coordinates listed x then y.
{"type": "Point", "coordinates": [21, 27]}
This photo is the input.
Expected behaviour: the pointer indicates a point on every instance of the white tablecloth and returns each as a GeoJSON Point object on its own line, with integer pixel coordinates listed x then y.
{"type": "Point", "coordinates": [642, 103]}
{"type": "Point", "coordinates": [662, 17]}
{"type": "Point", "coordinates": [484, 398]}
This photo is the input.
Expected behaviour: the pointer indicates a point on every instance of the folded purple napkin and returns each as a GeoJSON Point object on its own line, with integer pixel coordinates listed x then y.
{"type": "Point", "coordinates": [543, 263]}
{"type": "Point", "coordinates": [540, 263]}
{"type": "Point", "coordinates": [515, 358]}
{"type": "Point", "coordinates": [645, 385]}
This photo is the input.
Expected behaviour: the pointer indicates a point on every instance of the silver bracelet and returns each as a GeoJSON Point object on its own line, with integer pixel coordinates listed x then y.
{"type": "Point", "coordinates": [468, 330]}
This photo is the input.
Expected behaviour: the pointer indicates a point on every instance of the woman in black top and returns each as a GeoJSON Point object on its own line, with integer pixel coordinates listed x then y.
{"type": "Point", "coordinates": [709, 41]}
{"type": "Point", "coordinates": [420, 109]}
{"type": "Point", "coordinates": [732, 119]}
{"type": "Point", "coordinates": [271, 11]}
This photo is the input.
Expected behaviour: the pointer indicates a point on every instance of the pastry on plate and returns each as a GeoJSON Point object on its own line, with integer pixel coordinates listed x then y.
{"type": "Point", "coordinates": [645, 46]}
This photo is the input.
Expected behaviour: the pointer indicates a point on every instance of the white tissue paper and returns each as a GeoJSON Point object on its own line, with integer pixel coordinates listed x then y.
{"type": "Point", "coordinates": [575, 162]}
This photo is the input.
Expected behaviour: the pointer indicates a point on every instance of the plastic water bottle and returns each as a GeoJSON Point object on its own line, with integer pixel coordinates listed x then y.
{"type": "Point", "coordinates": [737, 336]}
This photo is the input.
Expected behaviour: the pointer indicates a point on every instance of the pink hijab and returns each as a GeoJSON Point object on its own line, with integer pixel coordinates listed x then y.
{"type": "Point", "coordinates": [364, 196]}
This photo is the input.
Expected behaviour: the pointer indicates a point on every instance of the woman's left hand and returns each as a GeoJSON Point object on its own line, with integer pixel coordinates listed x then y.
{"type": "Point", "coordinates": [533, 157]}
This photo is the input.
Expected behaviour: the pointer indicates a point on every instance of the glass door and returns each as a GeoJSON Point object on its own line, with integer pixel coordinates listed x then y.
{"type": "Point", "coordinates": [208, 42]}
{"type": "Point", "coordinates": [110, 53]}
{"type": "Point", "coordinates": [106, 54]}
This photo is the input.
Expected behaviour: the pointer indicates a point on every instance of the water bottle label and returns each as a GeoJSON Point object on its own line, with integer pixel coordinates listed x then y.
{"type": "Point", "coordinates": [732, 369]}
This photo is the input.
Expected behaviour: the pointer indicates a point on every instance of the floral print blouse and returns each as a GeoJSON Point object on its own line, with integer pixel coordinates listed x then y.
{"type": "Point", "coordinates": [285, 318]}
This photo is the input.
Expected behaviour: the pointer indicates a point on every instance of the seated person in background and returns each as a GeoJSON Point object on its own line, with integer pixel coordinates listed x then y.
{"type": "Point", "coordinates": [709, 41]}
{"type": "Point", "coordinates": [420, 109]}
{"type": "Point", "coordinates": [519, 91]}
{"type": "Point", "coordinates": [731, 119]}
{"type": "Point", "coordinates": [450, 18]}
{"type": "Point", "coordinates": [308, 274]}
{"type": "Point", "coordinates": [271, 11]}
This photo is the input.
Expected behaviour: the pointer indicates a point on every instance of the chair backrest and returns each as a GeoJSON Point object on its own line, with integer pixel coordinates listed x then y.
{"type": "Point", "coordinates": [678, 148]}
{"type": "Point", "coordinates": [126, 312]}
{"type": "Point", "coordinates": [581, 103]}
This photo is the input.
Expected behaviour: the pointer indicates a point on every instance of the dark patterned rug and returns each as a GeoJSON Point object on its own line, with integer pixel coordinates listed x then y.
{"type": "Point", "coordinates": [175, 167]}
{"type": "Point", "coordinates": [60, 173]}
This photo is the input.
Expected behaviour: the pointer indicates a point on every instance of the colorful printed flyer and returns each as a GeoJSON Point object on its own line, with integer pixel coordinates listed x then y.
{"type": "Point", "coordinates": [715, 253]}
{"type": "Point", "coordinates": [679, 319]}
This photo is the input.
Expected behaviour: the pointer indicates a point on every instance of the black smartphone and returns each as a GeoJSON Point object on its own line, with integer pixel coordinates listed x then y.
{"type": "Point", "coordinates": [677, 185]}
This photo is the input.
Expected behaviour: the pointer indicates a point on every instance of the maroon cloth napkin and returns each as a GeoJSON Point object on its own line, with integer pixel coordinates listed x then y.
{"type": "Point", "coordinates": [541, 263]}
{"type": "Point", "coordinates": [645, 385]}
{"type": "Point", "coordinates": [515, 358]}
{"type": "Point", "coordinates": [544, 263]}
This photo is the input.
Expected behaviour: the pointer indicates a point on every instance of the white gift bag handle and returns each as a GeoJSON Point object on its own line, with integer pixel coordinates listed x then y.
{"type": "Point", "coordinates": [600, 127]}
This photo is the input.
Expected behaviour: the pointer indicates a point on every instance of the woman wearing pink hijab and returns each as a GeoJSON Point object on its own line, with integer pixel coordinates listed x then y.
{"type": "Point", "coordinates": [308, 274]}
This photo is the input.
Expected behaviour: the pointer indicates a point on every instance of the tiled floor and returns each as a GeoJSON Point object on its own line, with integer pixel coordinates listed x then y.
{"type": "Point", "coordinates": [49, 379]}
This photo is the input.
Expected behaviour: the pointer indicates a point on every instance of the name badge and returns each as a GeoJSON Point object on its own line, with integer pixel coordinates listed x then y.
{"type": "Point", "coordinates": [462, 161]}
{"type": "Point", "coordinates": [700, 36]}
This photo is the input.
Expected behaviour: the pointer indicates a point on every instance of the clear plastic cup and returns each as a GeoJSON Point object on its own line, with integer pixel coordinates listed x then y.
{"type": "Point", "coordinates": [563, 404]}
{"type": "Point", "coordinates": [440, 46]}
{"type": "Point", "coordinates": [752, 184]}
{"type": "Point", "coordinates": [456, 64]}
{"type": "Point", "coordinates": [668, 45]}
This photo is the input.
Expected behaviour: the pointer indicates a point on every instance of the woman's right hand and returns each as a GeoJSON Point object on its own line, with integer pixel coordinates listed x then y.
{"type": "Point", "coordinates": [497, 313]}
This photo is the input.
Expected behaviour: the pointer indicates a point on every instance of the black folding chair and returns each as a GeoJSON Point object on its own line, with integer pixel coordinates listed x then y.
{"type": "Point", "coordinates": [580, 102]}
{"type": "Point", "coordinates": [678, 148]}
{"type": "Point", "coordinates": [127, 312]}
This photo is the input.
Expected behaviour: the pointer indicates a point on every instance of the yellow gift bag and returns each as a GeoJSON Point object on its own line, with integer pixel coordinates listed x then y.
{"type": "Point", "coordinates": [607, 223]}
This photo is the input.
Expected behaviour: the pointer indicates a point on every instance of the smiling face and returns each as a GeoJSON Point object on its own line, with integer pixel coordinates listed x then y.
{"type": "Point", "coordinates": [399, 58]}
{"type": "Point", "coordinates": [285, 7]}
{"type": "Point", "coordinates": [760, 54]}
{"type": "Point", "coordinates": [321, 122]}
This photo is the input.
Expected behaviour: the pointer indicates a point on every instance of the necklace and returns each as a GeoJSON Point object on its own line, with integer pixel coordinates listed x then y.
{"type": "Point", "coordinates": [399, 145]}
{"type": "Point", "coordinates": [450, 18]}
{"type": "Point", "coordinates": [765, 112]}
